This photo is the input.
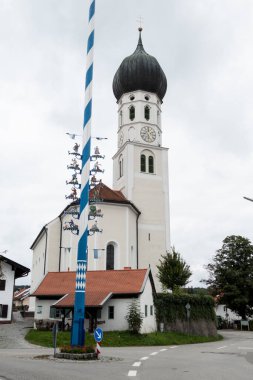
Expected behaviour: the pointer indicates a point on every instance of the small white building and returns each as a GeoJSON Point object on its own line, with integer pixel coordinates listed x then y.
{"type": "Point", "coordinates": [11, 270]}
{"type": "Point", "coordinates": [108, 296]}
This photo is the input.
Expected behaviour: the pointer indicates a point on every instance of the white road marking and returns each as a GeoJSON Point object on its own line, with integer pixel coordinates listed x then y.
{"type": "Point", "coordinates": [173, 346]}
{"type": "Point", "coordinates": [245, 348]}
{"type": "Point", "coordinates": [132, 373]}
{"type": "Point", "coordinates": [219, 348]}
{"type": "Point", "coordinates": [154, 353]}
{"type": "Point", "coordinates": [144, 358]}
{"type": "Point", "coordinates": [163, 349]}
{"type": "Point", "coordinates": [137, 364]}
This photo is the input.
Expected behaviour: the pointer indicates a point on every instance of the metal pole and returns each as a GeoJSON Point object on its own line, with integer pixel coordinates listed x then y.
{"type": "Point", "coordinates": [78, 333]}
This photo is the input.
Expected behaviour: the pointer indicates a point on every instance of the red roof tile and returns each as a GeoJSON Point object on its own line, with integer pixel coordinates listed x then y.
{"type": "Point", "coordinates": [104, 193]}
{"type": "Point", "coordinates": [99, 285]}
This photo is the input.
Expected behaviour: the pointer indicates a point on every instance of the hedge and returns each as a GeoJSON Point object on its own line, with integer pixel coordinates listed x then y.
{"type": "Point", "coordinates": [170, 307]}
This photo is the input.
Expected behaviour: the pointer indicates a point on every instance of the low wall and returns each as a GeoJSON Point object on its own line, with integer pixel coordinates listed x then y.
{"type": "Point", "coordinates": [189, 314]}
{"type": "Point", "coordinates": [198, 327]}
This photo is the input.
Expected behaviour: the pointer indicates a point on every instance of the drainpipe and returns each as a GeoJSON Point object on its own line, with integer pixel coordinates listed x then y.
{"type": "Point", "coordinates": [45, 250]}
{"type": "Point", "coordinates": [137, 241]}
{"type": "Point", "coordinates": [60, 248]}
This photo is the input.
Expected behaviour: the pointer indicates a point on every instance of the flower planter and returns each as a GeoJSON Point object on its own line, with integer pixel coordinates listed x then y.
{"type": "Point", "coordinates": [71, 356]}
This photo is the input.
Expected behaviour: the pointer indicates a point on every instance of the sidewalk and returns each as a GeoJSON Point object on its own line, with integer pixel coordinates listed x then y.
{"type": "Point", "coordinates": [12, 335]}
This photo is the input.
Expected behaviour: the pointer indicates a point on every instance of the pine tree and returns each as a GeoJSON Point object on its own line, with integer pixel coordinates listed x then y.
{"type": "Point", "coordinates": [134, 317]}
{"type": "Point", "coordinates": [173, 272]}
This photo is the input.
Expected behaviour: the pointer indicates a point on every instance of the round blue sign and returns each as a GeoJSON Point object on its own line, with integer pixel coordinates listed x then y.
{"type": "Point", "coordinates": [98, 334]}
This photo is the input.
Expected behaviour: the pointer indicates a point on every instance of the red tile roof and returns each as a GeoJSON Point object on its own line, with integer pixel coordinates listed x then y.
{"type": "Point", "coordinates": [99, 285]}
{"type": "Point", "coordinates": [21, 294]}
{"type": "Point", "coordinates": [103, 192]}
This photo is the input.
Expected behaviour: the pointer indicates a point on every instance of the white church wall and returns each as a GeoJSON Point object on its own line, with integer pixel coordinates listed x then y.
{"type": "Point", "coordinates": [46, 253]}
{"type": "Point", "coordinates": [38, 261]}
{"type": "Point", "coordinates": [119, 228]}
{"type": "Point", "coordinates": [53, 246]}
{"type": "Point", "coordinates": [69, 244]}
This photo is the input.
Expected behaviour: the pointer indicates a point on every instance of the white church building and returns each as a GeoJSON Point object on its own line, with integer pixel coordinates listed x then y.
{"type": "Point", "coordinates": [136, 229]}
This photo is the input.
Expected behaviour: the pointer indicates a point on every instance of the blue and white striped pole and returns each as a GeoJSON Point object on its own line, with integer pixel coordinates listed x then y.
{"type": "Point", "coordinates": [78, 333]}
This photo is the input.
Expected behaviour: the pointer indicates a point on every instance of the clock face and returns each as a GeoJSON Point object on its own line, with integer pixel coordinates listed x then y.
{"type": "Point", "coordinates": [148, 134]}
{"type": "Point", "coordinates": [121, 138]}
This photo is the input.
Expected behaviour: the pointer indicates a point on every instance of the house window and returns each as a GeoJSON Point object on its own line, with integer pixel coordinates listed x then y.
{"type": "Point", "coordinates": [151, 309]}
{"type": "Point", "coordinates": [55, 313]}
{"type": "Point", "coordinates": [110, 257]}
{"type": "Point", "coordinates": [146, 310]}
{"type": "Point", "coordinates": [99, 313]}
{"type": "Point", "coordinates": [39, 309]}
{"type": "Point", "coordinates": [151, 164]}
{"type": "Point", "coordinates": [143, 163]}
{"type": "Point", "coordinates": [147, 112]}
{"type": "Point", "coordinates": [3, 311]}
{"type": "Point", "coordinates": [110, 312]}
{"type": "Point", "coordinates": [131, 113]}
{"type": "Point", "coordinates": [2, 284]}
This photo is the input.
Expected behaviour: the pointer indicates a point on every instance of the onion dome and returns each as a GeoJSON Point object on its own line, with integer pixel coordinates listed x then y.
{"type": "Point", "coordinates": [139, 71]}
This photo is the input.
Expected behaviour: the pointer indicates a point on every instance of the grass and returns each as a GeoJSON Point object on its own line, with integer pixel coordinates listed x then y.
{"type": "Point", "coordinates": [120, 339]}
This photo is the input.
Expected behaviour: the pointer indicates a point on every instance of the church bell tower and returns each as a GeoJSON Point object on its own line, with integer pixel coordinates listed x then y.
{"type": "Point", "coordinates": [140, 165]}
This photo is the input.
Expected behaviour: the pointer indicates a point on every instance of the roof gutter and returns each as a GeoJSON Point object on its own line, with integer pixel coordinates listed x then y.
{"type": "Point", "coordinates": [60, 246]}
{"type": "Point", "coordinates": [45, 258]}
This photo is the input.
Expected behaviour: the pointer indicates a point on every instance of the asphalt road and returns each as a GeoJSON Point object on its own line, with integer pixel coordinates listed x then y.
{"type": "Point", "coordinates": [230, 359]}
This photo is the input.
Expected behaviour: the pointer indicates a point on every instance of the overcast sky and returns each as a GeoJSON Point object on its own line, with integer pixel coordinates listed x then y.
{"type": "Point", "coordinates": [205, 48]}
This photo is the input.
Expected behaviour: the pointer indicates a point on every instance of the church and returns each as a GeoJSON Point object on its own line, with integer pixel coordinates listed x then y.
{"type": "Point", "coordinates": [130, 228]}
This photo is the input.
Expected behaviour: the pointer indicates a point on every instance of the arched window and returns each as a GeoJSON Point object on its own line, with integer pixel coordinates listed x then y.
{"type": "Point", "coordinates": [143, 163]}
{"type": "Point", "coordinates": [131, 113]}
{"type": "Point", "coordinates": [158, 118]}
{"type": "Point", "coordinates": [120, 166]}
{"type": "Point", "coordinates": [110, 257]}
{"type": "Point", "coordinates": [147, 162]}
{"type": "Point", "coordinates": [151, 164]}
{"type": "Point", "coordinates": [147, 112]}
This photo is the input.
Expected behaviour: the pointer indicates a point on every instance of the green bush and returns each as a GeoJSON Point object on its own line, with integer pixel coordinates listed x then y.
{"type": "Point", "coordinates": [134, 317]}
{"type": "Point", "coordinates": [171, 307]}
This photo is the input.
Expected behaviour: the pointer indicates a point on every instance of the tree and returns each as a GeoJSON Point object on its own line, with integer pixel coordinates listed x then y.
{"type": "Point", "coordinates": [173, 272]}
{"type": "Point", "coordinates": [134, 317]}
{"type": "Point", "coordinates": [231, 275]}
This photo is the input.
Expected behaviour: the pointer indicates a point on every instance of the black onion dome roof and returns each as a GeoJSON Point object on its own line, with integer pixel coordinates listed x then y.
{"type": "Point", "coordinates": [139, 71]}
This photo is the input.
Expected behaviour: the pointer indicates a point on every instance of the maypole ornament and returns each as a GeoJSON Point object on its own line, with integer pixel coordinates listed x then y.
{"type": "Point", "coordinates": [78, 334]}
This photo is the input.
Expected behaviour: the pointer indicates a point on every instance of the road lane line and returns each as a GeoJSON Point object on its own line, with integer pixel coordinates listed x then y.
{"type": "Point", "coordinates": [154, 353]}
{"type": "Point", "coordinates": [132, 373]}
{"type": "Point", "coordinates": [144, 358]}
{"type": "Point", "coordinates": [163, 349]}
{"type": "Point", "coordinates": [173, 346]}
{"type": "Point", "coordinates": [219, 348]}
{"type": "Point", "coordinates": [137, 364]}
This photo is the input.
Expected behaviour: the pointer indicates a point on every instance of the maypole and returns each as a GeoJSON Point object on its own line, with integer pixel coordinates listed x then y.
{"type": "Point", "coordinates": [78, 333]}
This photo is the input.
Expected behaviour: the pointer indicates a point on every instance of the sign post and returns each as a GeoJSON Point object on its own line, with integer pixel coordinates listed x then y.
{"type": "Point", "coordinates": [98, 336]}
{"type": "Point", "coordinates": [188, 314]}
{"type": "Point", "coordinates": [55, 331]}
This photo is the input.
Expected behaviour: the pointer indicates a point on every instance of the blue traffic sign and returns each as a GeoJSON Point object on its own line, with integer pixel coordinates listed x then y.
{"type": "Point", "coordinates": [98, 334]}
